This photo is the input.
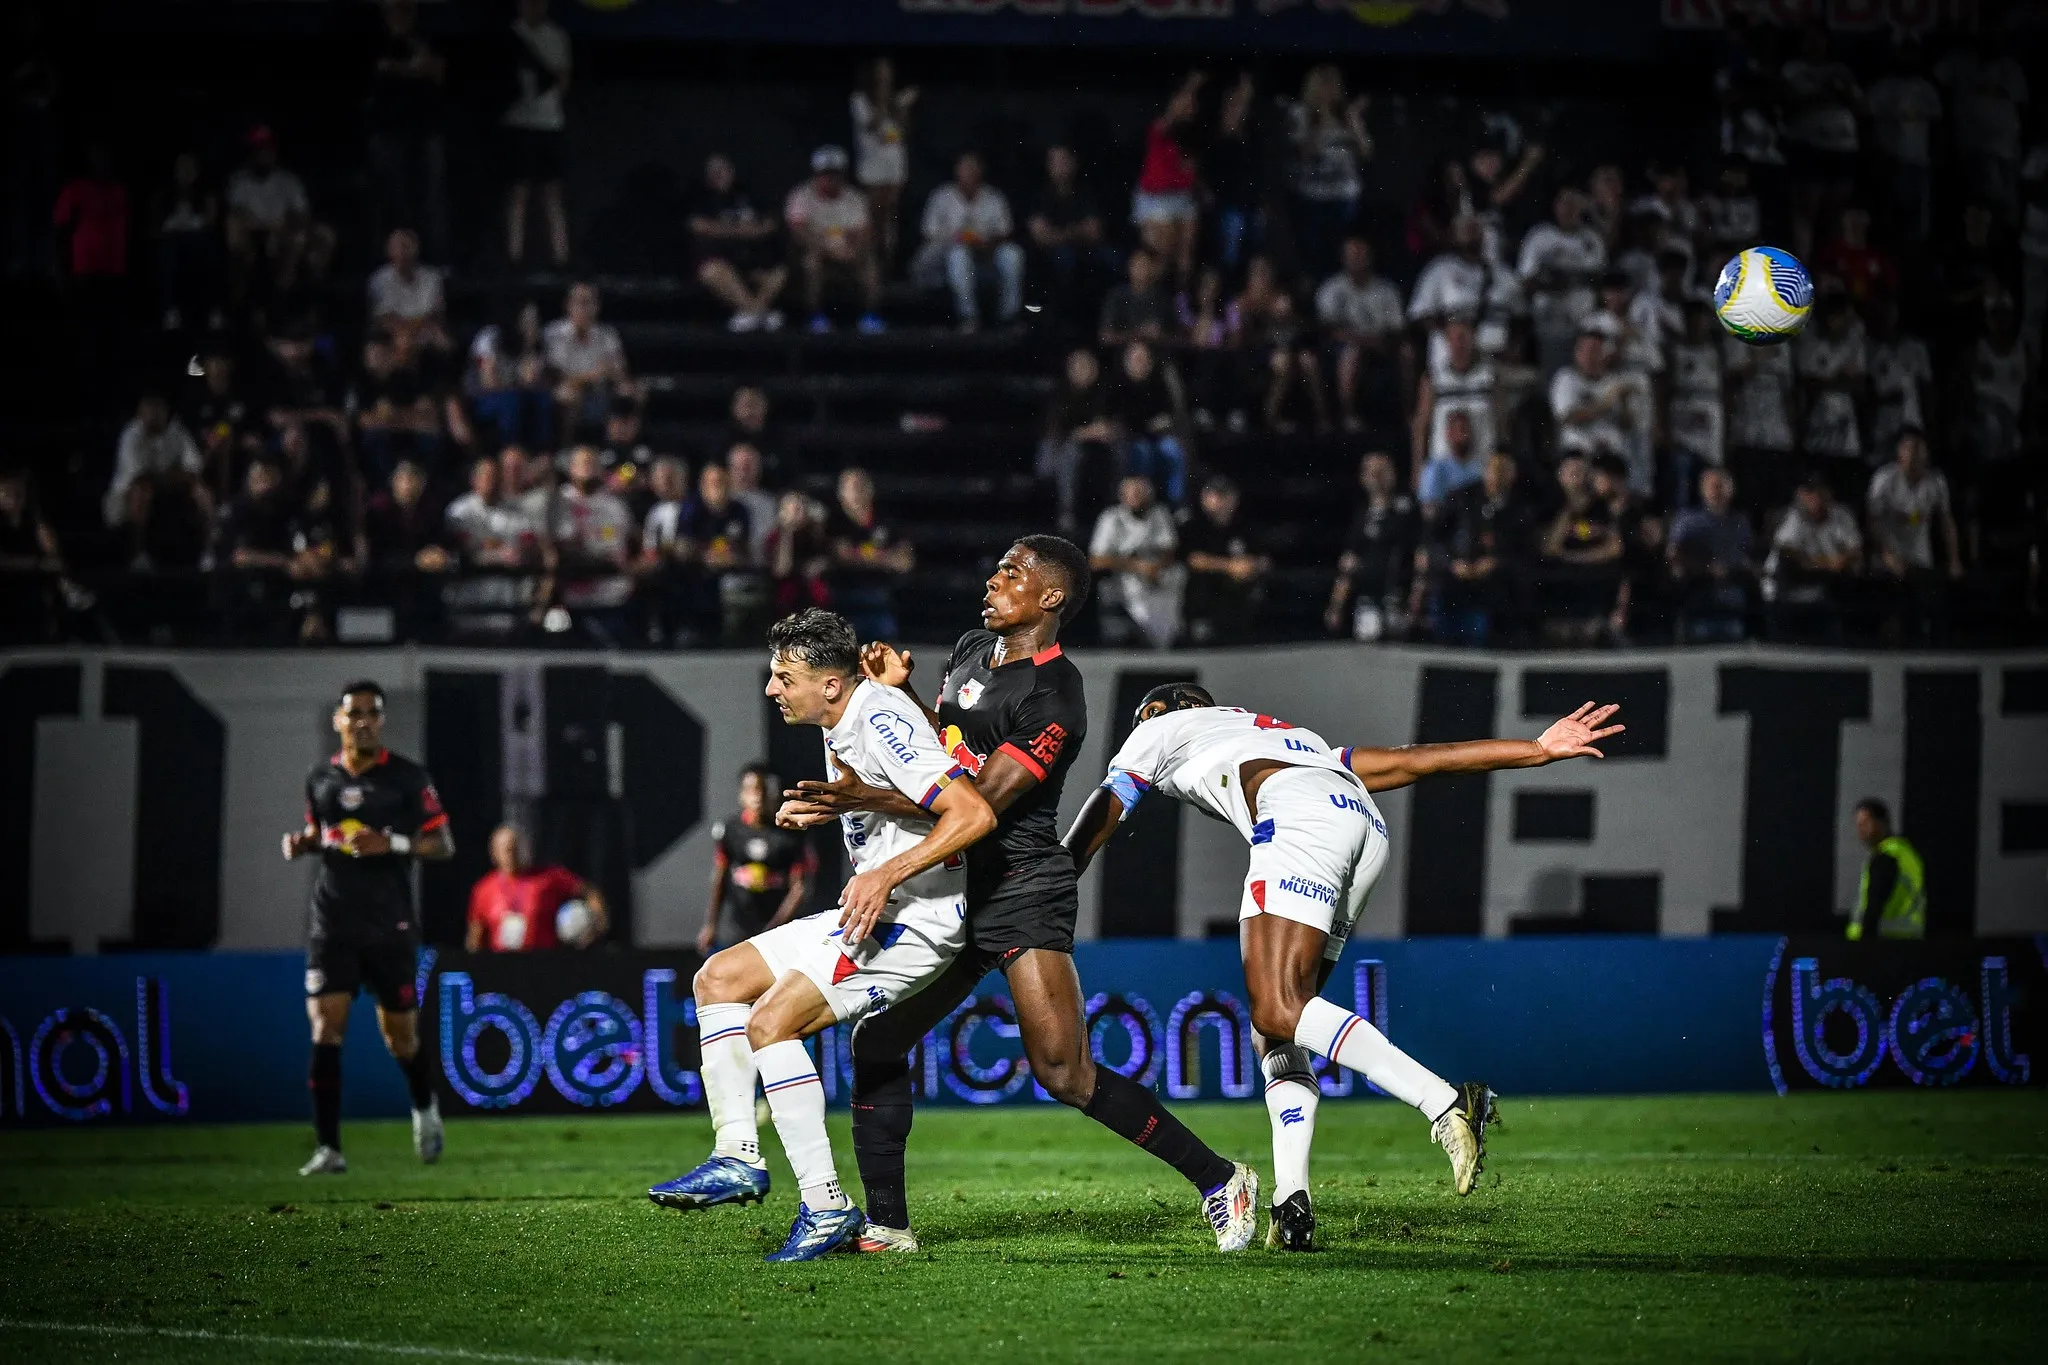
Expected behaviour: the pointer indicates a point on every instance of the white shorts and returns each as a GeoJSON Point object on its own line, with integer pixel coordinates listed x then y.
{"type": "Point", "coordinates": [1317, 849]}
{"type": "Point", "coordinates": [899, 959]}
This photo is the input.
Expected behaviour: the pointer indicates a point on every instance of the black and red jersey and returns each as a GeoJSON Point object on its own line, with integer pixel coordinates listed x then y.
{"type": "Point", "coordinates": [1031, 710]}
{"type": "Point", "coordinates": [368, 897]}
{"type": "Point", "coordinates": [757, 862]}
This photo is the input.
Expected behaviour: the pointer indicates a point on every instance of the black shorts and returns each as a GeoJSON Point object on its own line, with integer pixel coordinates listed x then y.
{"type": "Point", "coordinates": [532, 155]}
{"type": "Point", "coordinates": [1029, 905]}
{"type": "Point", "coordinates": [388, 967]}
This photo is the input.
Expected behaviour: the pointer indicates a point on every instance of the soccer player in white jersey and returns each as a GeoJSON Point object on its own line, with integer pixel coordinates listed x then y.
{"type": "Point", "coordinates": [1318, 845]}
{"type": "Point", "coordinates": [901, 922]}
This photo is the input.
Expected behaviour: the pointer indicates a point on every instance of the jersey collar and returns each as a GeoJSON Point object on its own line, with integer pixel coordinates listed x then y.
{"type": "Point", "coordinates": [340, 761]}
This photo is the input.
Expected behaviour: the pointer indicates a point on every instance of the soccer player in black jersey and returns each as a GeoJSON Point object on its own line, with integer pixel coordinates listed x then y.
{"type": "Point", "coordinates": [1010, 707]}
{"type": "Point", "coordinates": [760, 872]}
{"type": "Point", "coordinates": [369, 813]}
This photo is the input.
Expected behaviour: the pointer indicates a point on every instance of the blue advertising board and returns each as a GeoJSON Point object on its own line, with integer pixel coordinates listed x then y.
{"type": "Point", "coordinates": [222, 1036]}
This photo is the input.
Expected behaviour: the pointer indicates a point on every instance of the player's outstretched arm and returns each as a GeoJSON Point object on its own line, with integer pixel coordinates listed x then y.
{"type": "Point", "coordinates": [963, 819]}
{"type": "Point", "coordinates": [1099, 817]}
{"type": "Point", "coordinates": [1572, 737]}
{"type": "Point", "coordinates": [1001, 781]}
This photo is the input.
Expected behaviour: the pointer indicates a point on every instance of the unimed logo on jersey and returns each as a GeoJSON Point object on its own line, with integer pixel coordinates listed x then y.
{"type": "Point", "coordinates": [78, 1064]}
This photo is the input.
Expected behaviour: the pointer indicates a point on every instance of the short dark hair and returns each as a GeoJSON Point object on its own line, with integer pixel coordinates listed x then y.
{"type": "Point", "coordinates": [1876, 809]}
{"type": "Point", "coordinates": [1178, 696]}
{"type": "Point", "coordinates": [1066, 561]}
{"type": "Point", "coordinates": [819, 639]}
{"type": "Point", "coordinates": [362, 685]}
{"type": "Point", "coordinates": [759, 768]}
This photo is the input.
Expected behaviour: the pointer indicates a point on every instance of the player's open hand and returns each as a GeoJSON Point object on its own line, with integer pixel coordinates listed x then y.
{"type": "Point", "coordinates": [1577, 733]}
{"type": "Point", "coordinates": [887, 665]}
{"type": "Point", "coordinates": [862, 902]}
{"type": "Point", "coordinates": [300, 842]}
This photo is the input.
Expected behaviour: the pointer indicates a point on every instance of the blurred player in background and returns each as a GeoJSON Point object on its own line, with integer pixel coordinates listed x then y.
{"type": "Point", "coordinates": [512, 907]}
{"type": "Point", "coordinates": [1011, 708]}
{"type": "Point", "coordinates": [369, 813]}
{"type": "Point", "coordinates": [760, 873]}
{"type": "Point", "coordinates": [1318, 845]}
{"type": "Point", "coordinates": [902, 921]}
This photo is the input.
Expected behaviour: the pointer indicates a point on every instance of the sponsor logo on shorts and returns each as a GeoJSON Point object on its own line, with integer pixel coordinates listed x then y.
{"type": "Point", "coordinates": [1308, 890]}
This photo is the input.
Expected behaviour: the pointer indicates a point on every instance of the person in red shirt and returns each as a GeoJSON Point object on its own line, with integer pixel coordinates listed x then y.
{"type": "Point", "coordinates": [94, 207]}
{"type": "Point", "coordinates": [1868, 271]}
{"type": "Point", "coordinates": [1163, 205]}
{"type": "Point", "coordinates": [512, 908]}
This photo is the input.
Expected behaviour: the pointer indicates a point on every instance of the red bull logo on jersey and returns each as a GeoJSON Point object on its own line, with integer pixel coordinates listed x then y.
{"type": "Point", "coordinates": [956, 746]}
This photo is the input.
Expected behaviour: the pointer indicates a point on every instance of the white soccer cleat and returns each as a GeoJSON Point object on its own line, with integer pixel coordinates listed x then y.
{"type": "Point", "coordinates": [877, 1238]}
{"type": "Point", "coordinates": [1461, 1132]}
{"type": "Point", "coordinates": [1234, 1209]}
{"type": "Point", "coordinates": [326, 1161]}
{"type": "Point", "coordinates": [427, 1133]}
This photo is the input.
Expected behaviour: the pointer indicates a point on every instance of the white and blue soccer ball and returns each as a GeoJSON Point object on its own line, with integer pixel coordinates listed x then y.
{"type": "Point", "coordinates": [1763, 296]}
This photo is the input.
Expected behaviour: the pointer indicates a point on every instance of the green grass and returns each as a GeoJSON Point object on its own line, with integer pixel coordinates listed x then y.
{"type": "Point", "coordinates": [1864, 1227]}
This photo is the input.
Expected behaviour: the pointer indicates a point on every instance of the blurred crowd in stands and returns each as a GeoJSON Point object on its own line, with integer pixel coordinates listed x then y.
{"type": "Point", "coordinates": [1555, 444]}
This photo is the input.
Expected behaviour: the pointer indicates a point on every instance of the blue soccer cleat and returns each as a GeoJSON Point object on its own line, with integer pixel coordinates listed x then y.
{"type": "Point", "coordinates": [720, 1180]}
{"type": "Point", "coordinates": [818, 1231]}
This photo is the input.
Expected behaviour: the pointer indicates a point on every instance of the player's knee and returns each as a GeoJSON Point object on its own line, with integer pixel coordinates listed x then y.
{"type": "Point", "coordinates": [1070, 1080]}
{"type": "Point", "coordinates": [719, 980]}
{"type": "Point", "coordinates": [772, 1021]}
{"type": "Point", "coordinates": [1277, 1019]}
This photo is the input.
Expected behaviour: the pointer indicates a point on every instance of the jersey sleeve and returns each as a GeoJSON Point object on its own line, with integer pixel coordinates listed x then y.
{"type": "Point", "coordinates": [899, 742]}
{"type": "Point", "coordinates": [425, 807]}
{"type": "Point", "coordinates": [1041, 728]}
{"type": "Point", "coordinates": [1136, 764]}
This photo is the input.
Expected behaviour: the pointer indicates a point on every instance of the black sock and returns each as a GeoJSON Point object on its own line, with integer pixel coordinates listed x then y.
{"type": "Point", "coordinates": [419, 1076]}
{"type": "Point", "coordinates": [1131, 1111]}
{"type": "Point", "coordinates": [882, 1113]}
{"type": "Point", "coordinates": [324, 1080]}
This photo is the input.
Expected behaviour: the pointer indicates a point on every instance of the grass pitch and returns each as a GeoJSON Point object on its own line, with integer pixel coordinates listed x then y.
{"type": "Point", "coordinates": [1741, 1228]}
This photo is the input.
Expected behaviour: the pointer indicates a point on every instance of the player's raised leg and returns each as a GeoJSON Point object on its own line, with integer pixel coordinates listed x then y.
{"type": "Point", "coordinates": [328, 1014]}
{"type": "Point", "coordinates": [726, 987]}
{"type": "Point", "coordinates": [792, 1010]}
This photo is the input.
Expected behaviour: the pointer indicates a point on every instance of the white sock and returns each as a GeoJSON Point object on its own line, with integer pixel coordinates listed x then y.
{"type": "Point", "coordinates": [1291, 1099]}
{"type": "Point", "coordinates": [1331, 1031]}
{"type": "Point", "coordinates": [796, 1097]}
{"type": "Point", "coordinates": [728, 1071]}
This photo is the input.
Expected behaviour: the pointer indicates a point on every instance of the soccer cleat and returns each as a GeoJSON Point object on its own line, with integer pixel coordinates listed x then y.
{"type": "Point", "coordinates": [876, 1237]}
{"type": "Point", "coordinates": [326, 1161]}
{"type": "Point", "coordinates": [1233, 1210]}
{"type": "Point", "coordinates": [1293, 1225]}
{"type": "Point", "coordinates": [1461, 1132]}
{"type": "Point", "coordinates": [720, 1180]}
{"type": "Point", "coordinates": [818, 1232]}
{"type": "Point", "coordinates": [427, 1132]}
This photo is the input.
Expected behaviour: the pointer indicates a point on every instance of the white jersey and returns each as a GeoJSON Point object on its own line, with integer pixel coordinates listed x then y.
{"type": "Point", "coordinates": [885, 740]}
{"type": "Point", "coordinates": [1194, 756]}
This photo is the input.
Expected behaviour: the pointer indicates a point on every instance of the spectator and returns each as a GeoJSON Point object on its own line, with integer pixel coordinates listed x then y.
{"type": "Point", "coordinates": [406, 301]}
{"type": "Point", "coordinates": [508, 384]}
{"type": "Point", "coordinates": [587, 357]}
{"type": "Point", "coordinates": [534, 124]}
{"type": "Point", "coordinates": [593, 536]}
{"type": "Point", "coordinates": [1987, 87]}
{"type": "Point", "coordinates": [1150, 413]}
{"type": "Point", "coordinates": [1697, 412]}
{"type": "Point", "coordinates": [1907, 501]}
{"type": "Point", "coordinates": [1891, 895]}
{"type": "Point", "coordinates": [156, 492]}
{"type": "Point", "coordinates": [1762, 384]}
{"type": "Point", "coordinates": [31, 565]}
{"type": "Point", "coordinates": [1459, 464]}
{"type": "Point", "coordinates": [1901, 376]}
{"type": "Point", "coordinates": [1459, 382]}
{"type": "Point", "coordinates": [92, 208]}
{"type": "Point", "coordinates": [798, 556]}
{"type": "Point", "coordinates": [1138, 309]}
{"type": "Point", "coordinates": [832, 240]}
{"type": "Point", "coordinates": [1560, 263]}
{"type": "Point", "coordinates": [188, 240]}
{"type": "Point", "coordinates": [1065, 228]}
{"type": "Point", "coordinates": [1231, 173]}
{"type": "Point", "coordinates": [1997, 398]}
{"type": "Point", "coordinates": [1642, 545]}
{"type": "Point", "coordinates": [1829, 357]}
{"type": "Point", "coordinates": [1461, 282]}
{"type": "Point", "coordinates": [1361, 317]}
{"type": "Point", "coordinates": [1476, 559]}
{"type": "Point", "coordinates": [1490, 186]}
{"type": "Point", "coordinates": [1606, 205]}
{"type": "Point", "coordinates": [1163, 202]}
{"type": "Point", "coordinates": [881, 144]}
{"type": "Point", "coordinates": [1225, 578]}
{"type": "Point", "coordinates": [1208, 355]}
{"type": "Point", "coordinates": [749, 421]}
{"type": "Point", "coordinates": [743, 464]}
{"type": "Point", "coordinates": [1135, 541]}
{"type": "Point", "coordinates": [1266, 326]}
{"type": "Point", "coordinates": [868, 557]}
{"type": "Point", "coordinates": [1584, 551]}
{"type": "Point", "coordinates": [967, 232]}
{"type": "Point", "coordinates": [271, 568]}
{"type": "Point", "coordinates": [405, 551]}
{"type": "Point", "coordinates": [1822, 102]}
{"type": "Point", "coordinates": [1904, 106]}
{"type": "Point", "coordinates": [270, 219]}
{"type": "Point", "coordinates": [489, 530]}
{"type": "Point", "coordinates": [395, 412]}
{"type": "Point", "coordinates": [1814, 556]}
{"type": "Point", "coordinates": [1713, 563]}
{"type": "Point", "coordinates": [529, 484]}
{"type": "Point", "coordinates": [512, 908]}
{"type": "Point", "coordinates": [664, 565]}
{"type": "Point", "coordinates": [721, 535]}
{"type": "Point", "coordinates": [1330, 145]}
{"type": "Point", "coordinates": [1868, 271]}
{"type": "Point", "coordinates": [1376, 571]}
{"type": "Point", "coordinates": [407, 151]}
{"type": "Point", "coordinates": [1080, 432]}
{"type": "Point", "coordinates": [1731, 218]}
{"type": "Point", "coordinates": [738, 257]}
{"type": "Point", "coordinates": [1599, 410]}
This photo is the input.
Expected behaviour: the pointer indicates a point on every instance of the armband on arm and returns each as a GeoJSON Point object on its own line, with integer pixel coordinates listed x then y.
{"type": "Point", "coordinates": [1127, 787]}
{"type": "Point", "coordinates": [401, 844]}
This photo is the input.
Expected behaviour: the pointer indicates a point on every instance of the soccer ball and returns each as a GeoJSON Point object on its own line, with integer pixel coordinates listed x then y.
{"type": "Point", "coordinates": [1763, 296]}
{"type": "Point", "coordinates": [574, 924]}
